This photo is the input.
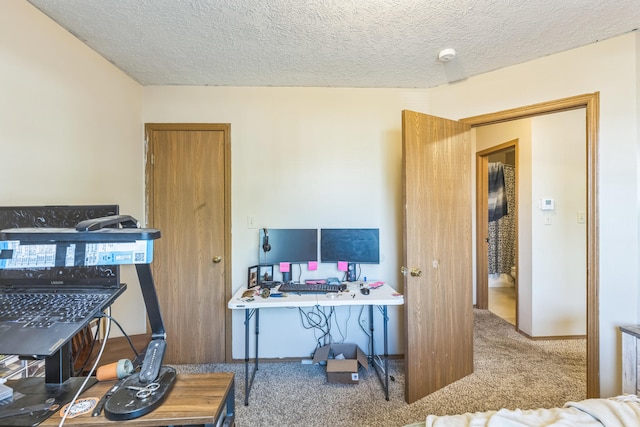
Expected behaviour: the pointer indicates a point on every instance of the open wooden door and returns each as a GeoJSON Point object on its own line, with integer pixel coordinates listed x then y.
{"type": "Point", "coordinates": [437, 253]}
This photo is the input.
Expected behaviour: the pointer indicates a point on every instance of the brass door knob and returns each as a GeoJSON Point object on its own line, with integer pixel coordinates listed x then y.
{"type": "Point", "coordinates": [415, 272]}
{"type": "Point", "coordinates": [217, 259]}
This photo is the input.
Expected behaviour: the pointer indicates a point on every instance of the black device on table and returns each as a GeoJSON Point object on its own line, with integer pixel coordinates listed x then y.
{"type": "Point", "coordinates": [74, 247]}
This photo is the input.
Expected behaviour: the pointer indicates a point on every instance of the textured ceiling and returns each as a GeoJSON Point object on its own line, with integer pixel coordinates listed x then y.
{"type": "Point", "coordinates": [332, 43]}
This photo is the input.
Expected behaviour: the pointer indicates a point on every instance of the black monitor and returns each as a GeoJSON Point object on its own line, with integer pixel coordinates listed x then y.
{"type": "Point", "coordinates": [351, 245]}
{"type": "Point", "coordinates": [57, 217]}
{"type": "Point", "coordinates": [356, 245]}
{"type": "Point", "coordinates": [288, 245]}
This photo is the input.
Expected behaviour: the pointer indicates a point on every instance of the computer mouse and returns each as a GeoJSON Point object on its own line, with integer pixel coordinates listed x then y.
{"type": "Point", "coordinates": [364, 291]}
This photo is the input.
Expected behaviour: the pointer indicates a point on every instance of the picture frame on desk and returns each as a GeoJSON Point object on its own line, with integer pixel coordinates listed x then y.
{"type": "Point", "coordinates": [265, 273]}
{"type": "Point", "coordinates": [252, 279]}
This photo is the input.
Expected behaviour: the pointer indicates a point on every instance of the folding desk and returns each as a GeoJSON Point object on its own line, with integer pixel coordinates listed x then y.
{"type": "Point", "coordinates": [381, 297]}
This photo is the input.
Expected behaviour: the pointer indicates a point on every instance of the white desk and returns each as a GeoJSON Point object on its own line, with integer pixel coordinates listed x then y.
{"type": "Point", "coordinates": [380, 297]}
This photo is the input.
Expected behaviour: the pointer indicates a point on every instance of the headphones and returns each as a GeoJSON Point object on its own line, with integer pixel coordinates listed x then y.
{"type": "Point", "coordinates": [265, 241]}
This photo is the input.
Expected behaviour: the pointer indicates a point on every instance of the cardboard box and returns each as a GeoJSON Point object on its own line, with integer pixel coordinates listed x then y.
{"type": "Point", "coordinates": [343, 361]}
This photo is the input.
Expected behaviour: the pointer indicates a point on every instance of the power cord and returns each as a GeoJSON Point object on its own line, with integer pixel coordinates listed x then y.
{"type": "Point", "coordinates": [93, 368]}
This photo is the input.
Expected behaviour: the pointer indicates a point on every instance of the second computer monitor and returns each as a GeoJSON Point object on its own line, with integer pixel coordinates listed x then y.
{"type": "Point", "coordinates": [353, 245]}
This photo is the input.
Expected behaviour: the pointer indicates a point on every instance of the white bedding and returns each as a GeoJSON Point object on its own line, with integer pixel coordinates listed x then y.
{"type": "Point", "coordinates": [621, 411]}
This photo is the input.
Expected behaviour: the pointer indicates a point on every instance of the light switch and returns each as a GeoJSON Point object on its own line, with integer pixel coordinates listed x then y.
{"type": "Point", "coordinates": [547, 220]}
{"type": "Point", "coordinates": [582, 217]}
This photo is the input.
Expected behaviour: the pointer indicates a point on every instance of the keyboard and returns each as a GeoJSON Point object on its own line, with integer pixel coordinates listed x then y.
{"type": "Point", "coordinates": [42, 310]}
{"type": "Point", "coordinates": [316, 288]}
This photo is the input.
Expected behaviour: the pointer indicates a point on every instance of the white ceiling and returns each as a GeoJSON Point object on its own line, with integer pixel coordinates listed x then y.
{"type": "Point", "coordinates": [332, 43]}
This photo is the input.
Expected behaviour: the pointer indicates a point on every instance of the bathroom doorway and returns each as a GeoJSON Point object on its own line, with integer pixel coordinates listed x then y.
{"type": "Point", "coordinates": [498, 196]}
{"type": "Point", "coordinates": [502, 246]}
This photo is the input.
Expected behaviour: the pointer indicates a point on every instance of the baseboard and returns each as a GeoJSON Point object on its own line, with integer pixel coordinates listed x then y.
{"type": "Point", "coordinates": [553, 337]}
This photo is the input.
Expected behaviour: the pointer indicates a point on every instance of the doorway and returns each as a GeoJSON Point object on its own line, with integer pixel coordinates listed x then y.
{"type": "Point", "coordinates": [496, 202]}
{"type": "Point", "coordinates": [590, 104]}
{"type": "Point", "coordinates": [188, 200]}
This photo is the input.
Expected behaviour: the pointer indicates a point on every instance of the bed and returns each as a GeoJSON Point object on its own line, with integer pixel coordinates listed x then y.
{"type": "Point", "coordinates": [620, 411]}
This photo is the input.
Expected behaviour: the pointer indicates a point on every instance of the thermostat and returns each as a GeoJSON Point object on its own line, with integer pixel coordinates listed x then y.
{"type": "Point", "coordinates": [546, 204]}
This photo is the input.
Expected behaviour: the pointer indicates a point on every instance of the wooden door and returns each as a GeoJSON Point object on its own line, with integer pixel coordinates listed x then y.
{"type": "Point", "coordinates": [188, 201]}
{"type": "Point", "coordinates": [437, 253]}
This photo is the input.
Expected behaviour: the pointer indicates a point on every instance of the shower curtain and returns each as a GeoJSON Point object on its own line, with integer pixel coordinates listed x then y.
{"type": "Point", "coordinates": [502, 231]}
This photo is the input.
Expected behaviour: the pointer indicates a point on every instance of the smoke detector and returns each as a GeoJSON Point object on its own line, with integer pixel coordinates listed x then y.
{"type": "Point", "coordinates": [447, 55]}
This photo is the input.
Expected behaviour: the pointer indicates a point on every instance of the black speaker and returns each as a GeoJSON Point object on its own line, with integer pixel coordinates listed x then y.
{"type": "Point", "coordinates": [265, 241]}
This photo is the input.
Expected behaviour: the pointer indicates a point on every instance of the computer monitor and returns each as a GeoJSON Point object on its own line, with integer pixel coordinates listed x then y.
{"type": "Point", "coordinates": [66, 216]}
{"type": "Point", "coordinates": [351, 245]}
{"type": "Point", "coordinates": [357, 245]}
{"type": "Point", "coordinates": [288, 245]}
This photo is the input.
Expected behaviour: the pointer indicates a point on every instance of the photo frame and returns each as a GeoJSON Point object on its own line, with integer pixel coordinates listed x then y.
{"type": "Point", "coordinates": [252, 279]}
{"type": "Point", "coordinates": [265, 273]}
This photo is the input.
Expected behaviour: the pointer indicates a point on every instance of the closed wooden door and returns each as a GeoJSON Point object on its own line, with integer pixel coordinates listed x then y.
{"type": "Point", "coordinates": [437, 253]}
{"type": "Point", "coordinates": [188, 190]}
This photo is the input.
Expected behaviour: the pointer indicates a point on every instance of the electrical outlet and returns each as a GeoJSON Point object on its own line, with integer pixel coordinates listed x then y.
{"type": "Point", "coordinates": [251, 221]}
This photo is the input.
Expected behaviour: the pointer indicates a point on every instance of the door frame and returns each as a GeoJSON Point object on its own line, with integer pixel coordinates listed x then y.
{"type": "Point", "coordinates": [482, 217]}
{"type": "Point", "coordinates": [591, 103]}
{"type": "Point", "coordinates": [226, 129]}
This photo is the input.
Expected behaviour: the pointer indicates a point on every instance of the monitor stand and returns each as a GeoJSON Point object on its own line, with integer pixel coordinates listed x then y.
{"type": "Point", "coordinates": [36, 398]}
{"type": "Point", "coordinates": [287, 276]}
{"type": "Point", "coordinates": [351, 272]}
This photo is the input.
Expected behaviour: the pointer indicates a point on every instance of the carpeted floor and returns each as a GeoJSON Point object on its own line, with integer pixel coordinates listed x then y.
{"type": "Point", "coordinates": [510, 371]}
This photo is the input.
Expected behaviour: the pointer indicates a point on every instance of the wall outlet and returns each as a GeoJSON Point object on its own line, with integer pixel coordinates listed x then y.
{"type": "Point", "coordinates": [251, 221]}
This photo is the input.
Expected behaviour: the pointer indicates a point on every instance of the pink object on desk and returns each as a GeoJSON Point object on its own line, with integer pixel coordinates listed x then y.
{"type": "Point", "coordinates": [284, 267]}
{"type": "Point", "coordinates": [313, 265]}
{"type": "Point", "coordinates": [342, 265]}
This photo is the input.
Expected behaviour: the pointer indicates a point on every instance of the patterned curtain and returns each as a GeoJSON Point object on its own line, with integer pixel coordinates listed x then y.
{"type": "Point", "coordinates": [502, 233]}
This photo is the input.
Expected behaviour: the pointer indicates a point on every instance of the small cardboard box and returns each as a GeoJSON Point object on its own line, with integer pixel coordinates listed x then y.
{"type": "Point", "coordinates": [342, 370]}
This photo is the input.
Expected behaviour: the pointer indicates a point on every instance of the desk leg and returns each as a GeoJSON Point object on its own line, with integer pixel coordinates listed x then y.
{"type": "Point", "coordinates": [248, 382]}
{"type": "Point", "coordinates": [383, 381]}
{"type": "Point", "coordinates": [371, 346]}
{"type": "Point", "coordinates": [385, 320]}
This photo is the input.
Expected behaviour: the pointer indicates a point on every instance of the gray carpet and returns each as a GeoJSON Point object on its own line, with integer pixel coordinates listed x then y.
{"type": "Point", "coordinates": [510, 371]}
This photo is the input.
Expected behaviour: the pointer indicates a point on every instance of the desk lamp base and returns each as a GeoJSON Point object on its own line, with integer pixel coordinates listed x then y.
{"type": "Point", "coordinates": [125, 405]}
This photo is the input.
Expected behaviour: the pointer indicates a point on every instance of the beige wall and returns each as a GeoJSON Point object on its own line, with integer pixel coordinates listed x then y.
{"type": "Point", "coordinates": [70, 128]}
{"type": "Point", "coordinates": [321, 156]}
{"type": "Point", "coordinates": [305, 158]}
{"type": "Point", "coordinates": [559, 248]}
